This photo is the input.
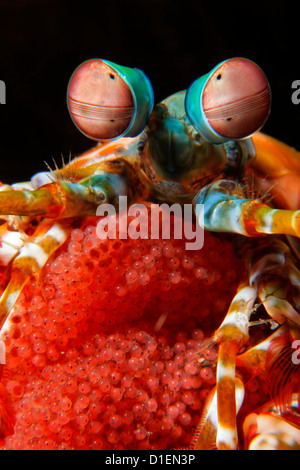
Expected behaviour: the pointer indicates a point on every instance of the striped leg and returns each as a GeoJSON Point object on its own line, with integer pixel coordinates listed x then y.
{"type": "Point", "coordinates": [31, 258]}
{"type": "Point", "coordinates": [231, 336]}
{"type": "Point", "coordinates": [226, 402]}
{"type": "Point", "coordinates": [274, 279]}
{"type": "Point", "coordinates": [205, 436]}
{"type": "Point", "coordinates": [218, 423]}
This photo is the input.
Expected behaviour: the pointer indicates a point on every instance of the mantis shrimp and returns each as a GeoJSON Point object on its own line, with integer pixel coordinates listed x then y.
{"type": "Point", "coordinates": [200, 147]}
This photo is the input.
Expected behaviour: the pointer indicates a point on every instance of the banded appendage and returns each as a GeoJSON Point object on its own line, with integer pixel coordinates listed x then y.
{"type": "Point", "coordinates": [270, 358]}
{"type": "Point", "coordinates": [27, 261]}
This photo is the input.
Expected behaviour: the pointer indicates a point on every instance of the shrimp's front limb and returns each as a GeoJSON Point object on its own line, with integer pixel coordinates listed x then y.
{"type": "Point", "coordinates": [227, 210]}
{"type": "Point", "coordinates": [63, 199]}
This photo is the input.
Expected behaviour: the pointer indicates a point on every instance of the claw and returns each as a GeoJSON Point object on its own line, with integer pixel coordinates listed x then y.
{"type": "Point", "coordinates": [227, 432]}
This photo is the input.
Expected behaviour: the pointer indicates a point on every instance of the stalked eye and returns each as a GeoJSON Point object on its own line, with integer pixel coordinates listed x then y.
{"type": "Point", "coordinates": [231, 102]}
{"type": "Point", "coordinates": [107, 101]}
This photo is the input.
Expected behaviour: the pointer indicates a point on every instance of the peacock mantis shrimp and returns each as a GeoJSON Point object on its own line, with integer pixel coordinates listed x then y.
{"type": "Point", "coordinates": [202, 147]}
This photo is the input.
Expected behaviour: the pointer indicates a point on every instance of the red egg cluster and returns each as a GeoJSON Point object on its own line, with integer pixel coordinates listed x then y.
{"type": "Point", "coordinates": [121, 391]}
{"type": "Point", "coordinates": [110, 348]}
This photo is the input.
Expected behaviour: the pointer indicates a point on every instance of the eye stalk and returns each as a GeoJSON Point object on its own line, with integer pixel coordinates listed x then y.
{"type": "Point", "coordinates": [107, 101]}
{"type": "Point", "coordinates": [231, 102]}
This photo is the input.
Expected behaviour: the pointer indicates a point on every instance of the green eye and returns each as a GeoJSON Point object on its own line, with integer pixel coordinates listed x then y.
{"type": "Point", "coordinates": [107, 101]}
{"type": "Point", "coordinates": [231, 102]}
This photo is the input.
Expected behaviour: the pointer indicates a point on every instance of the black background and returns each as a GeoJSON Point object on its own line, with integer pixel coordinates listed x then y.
{"type": "Point", "coordinates": [173, 42]}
